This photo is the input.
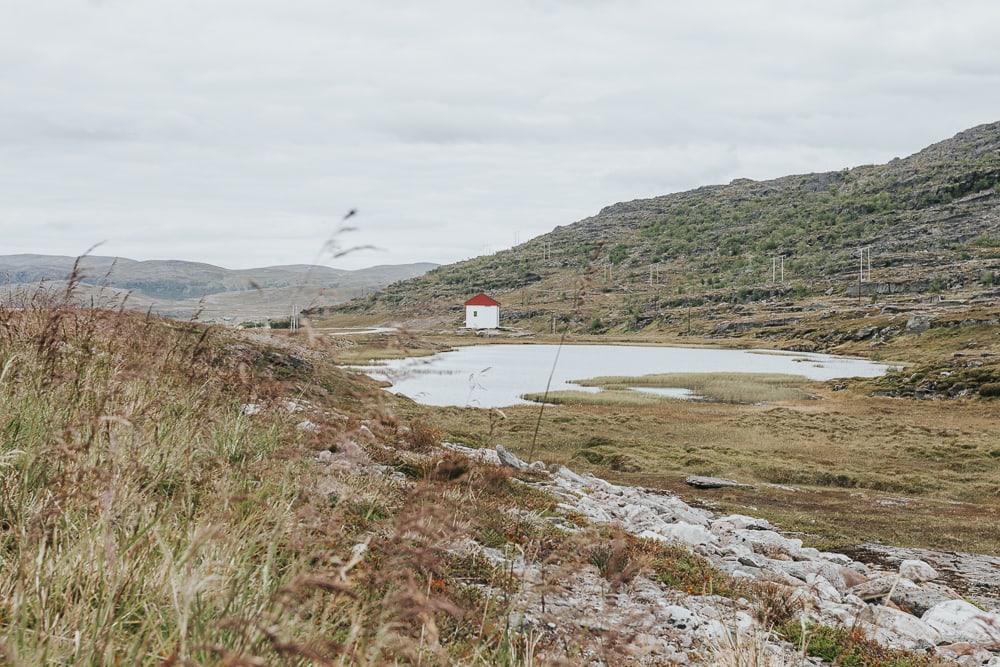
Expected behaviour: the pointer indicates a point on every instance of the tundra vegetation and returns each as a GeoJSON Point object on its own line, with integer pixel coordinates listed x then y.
{"type": "Point", "coordinates": [161, 503]}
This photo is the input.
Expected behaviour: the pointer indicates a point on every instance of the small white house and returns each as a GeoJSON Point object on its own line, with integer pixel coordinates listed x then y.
{"type": "Point", "coordinates": [482, 312]}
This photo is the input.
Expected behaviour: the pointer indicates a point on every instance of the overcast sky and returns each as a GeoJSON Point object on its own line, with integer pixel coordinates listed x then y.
{"type": "Point", "coordinates": [238, 132]}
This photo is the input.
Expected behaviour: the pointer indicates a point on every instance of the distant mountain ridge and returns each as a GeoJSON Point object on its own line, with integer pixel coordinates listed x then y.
{"type": "Point", "coordinates": [177, 279]}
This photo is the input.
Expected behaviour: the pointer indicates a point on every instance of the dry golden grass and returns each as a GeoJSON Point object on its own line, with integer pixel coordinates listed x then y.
{"type": "Point", "coordinates": [145, 519]}
{"type": "Point", "coordinates": [622, 397]}
{"type": "Point", "coordinates": [724, 387]}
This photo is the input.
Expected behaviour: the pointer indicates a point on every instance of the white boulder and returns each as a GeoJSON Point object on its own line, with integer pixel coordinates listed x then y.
{"type": "Point", "coordinates": [763, 541]}
{"type": "Point", "coordinates": [741, 521]}
{"type": "Point", "coordinates": [917, 570]}
{"type": "Point", "coordinates": [822, 588]}
{"type": "Point", "coordinates": [896, 628]}
{"type": "Point", "coordinates": [689, 534]}
{"type": "Point", "coordinates": [959, 621]}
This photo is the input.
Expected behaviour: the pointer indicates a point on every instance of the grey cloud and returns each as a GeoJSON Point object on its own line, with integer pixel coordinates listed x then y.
{"type": "Point", "coordinates": [237, 132]}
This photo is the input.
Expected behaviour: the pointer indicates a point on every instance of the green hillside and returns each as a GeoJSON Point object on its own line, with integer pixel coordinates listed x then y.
{"type": "Point", "coordinates": [932, 221]}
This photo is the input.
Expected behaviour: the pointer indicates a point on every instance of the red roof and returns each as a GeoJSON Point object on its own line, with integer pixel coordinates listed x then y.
{"type": "Point", "coordinates": [481, 300]}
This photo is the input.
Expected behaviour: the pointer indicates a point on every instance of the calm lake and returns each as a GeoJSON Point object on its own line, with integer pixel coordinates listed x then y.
{"type": "Point", "coordinates": [493, 376]}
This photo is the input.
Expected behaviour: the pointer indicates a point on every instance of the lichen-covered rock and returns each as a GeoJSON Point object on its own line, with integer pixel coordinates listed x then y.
{"type": "Point", "coordinates": [959, 621]}
{"type": "Point", "coordinates": [510, 460]}
{"type": "Point", "coordinates": [918, 599]}
{"type": "Point", "coordinates": [917, 571]}
{"type": "Point", "coordinates": [701, 482]}
{"type": "Point", "coordinates": [891, 626]}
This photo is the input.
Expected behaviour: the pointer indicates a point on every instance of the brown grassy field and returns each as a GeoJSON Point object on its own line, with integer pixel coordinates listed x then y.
{"type": "Point", "coordinates": [843, 469]}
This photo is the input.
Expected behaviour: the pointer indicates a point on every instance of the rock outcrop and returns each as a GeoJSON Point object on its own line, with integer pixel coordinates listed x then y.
{"type": "Point", "coordinates": [903, 608]}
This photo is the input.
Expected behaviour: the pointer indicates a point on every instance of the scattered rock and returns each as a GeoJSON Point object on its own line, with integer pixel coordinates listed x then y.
{"type": "Point", "coordinates": [918, 599]}
{"type": "Point", "coordinates": [960, 621]}
{"type": "Point", "coordinates": [918, 323]}
{"type": "Point", "coordinates": [690, 534]}
{"type": "Point", "coordinates": [509, 459]}
{"type": "Point", "coordinates": [864, 332]}
{"type": "Point", "coordinates": [901, 608]}
{"type": "Point", "coordinates": [917, 571]}
{"type": "Point", "coordinates": [878, 588]}
{"type": "Point", "coordinates": [567, 474]}
{"type": "Point", "coordinates": [891, 626]}
{"type": "Point", "coordinates": [700, 482]}
{"type": "Point", "coordinates": [308, 426]}
{"type": "Point", "coordinates": [740, 521]}
{"type": "Point", "coordinates": [976, 577]}
{"type": "Point", "coordinates": [769, 542]}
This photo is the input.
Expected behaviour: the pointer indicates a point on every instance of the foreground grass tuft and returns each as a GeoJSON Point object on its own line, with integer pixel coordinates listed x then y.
{"type": "Point", "coordinates": [145, 518]}
{"type": "Point", "coordinates": [844, 646]}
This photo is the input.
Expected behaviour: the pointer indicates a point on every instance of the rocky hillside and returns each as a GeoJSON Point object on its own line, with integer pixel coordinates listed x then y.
{"type": "Point", "coordinates": [932, 221]}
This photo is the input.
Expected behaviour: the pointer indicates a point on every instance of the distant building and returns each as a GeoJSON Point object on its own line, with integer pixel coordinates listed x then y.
{"type": "Point", "coordinates": [482, 312]}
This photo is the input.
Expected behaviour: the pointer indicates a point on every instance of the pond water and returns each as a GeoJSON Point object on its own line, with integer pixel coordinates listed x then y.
{"type": "Point", "coordinates": [493, 376]}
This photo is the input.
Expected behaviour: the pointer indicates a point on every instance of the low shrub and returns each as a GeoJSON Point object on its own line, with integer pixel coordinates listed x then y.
{"type": "Point", "coordinates": [990, 390]}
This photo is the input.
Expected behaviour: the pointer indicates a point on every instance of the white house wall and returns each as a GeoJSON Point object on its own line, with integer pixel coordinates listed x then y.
{"type": "Point", "coordinates": [482, 317]}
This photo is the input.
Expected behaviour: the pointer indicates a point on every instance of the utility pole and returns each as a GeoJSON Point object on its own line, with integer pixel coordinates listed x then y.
{"type": "Point", "coordinates": [861, 267]}
{"type": "Point", "coordinates": [782, 269]}
{"type": "Point", "coordinates": [774, 269]}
